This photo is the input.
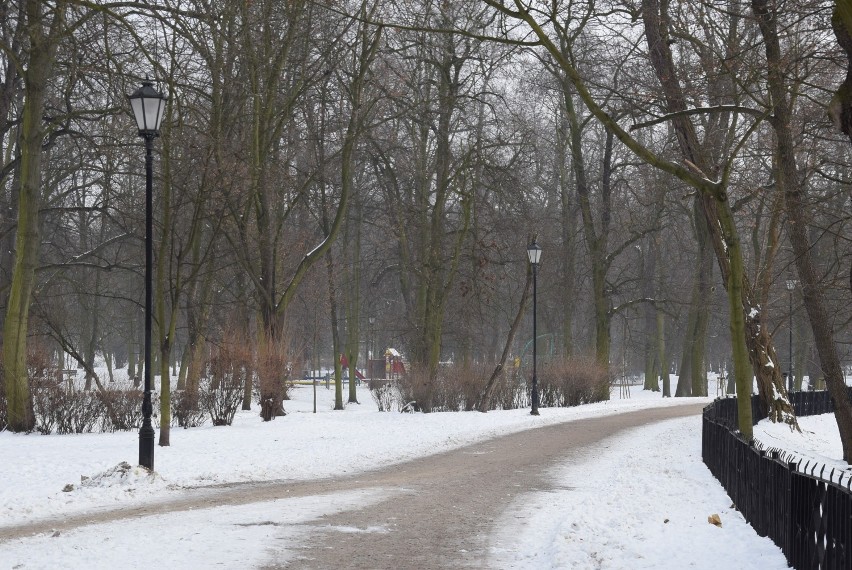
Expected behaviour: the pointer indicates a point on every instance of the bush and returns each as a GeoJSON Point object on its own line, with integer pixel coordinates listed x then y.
{"type": "Point", "coordinates": [510, 390]}
{"type": "Point", "coordinates": [81, 412]}
{"type": "Point", "coordinates": [59, 406]}
{"type": "Point", "coordinates": [222, 393]}
{"type": "Point", "coordinates": [417, 390]}
{"type": "Point", "coordinates": [457, 388]}
{"type": "Point", "coordinates": [386, 394]}
{"type": "Point", "coordinates": [273, 367]}
{"type": "Point", "coordinates": [572, 382]}
{"type": "Point", "coordinates": [47, 398]}
{"type": "Point", "coordinates": [123, 409]}
{"type": "Point", "coordinates": [41, 363]}
{"type": "Point", "coordinates": [186, 411]}
{"type": "Point", "coordinates": [222, 400]}
{"type": "Point", "coordinates": [461, 386]}
{"type": "Point", "coordinates": [563, 382]}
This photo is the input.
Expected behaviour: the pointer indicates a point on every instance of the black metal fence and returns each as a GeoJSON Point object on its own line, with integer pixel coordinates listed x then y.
{"type": "Point", "coordinates": [807, 514]}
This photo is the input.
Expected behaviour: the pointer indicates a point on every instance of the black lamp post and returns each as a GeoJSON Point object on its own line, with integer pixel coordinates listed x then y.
{"type": "Point", "coordinates": [534, 254]}
{"type": "Point", "coordinates": [148, 105]}
{"type": "Point", "coordinates": [791, 284]}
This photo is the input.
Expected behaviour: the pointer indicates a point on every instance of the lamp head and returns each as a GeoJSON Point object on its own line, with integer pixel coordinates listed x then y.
{"type": "Point", "coordinates": [534, 253]}
{"type": "Point", "coordinates": [148, 106]}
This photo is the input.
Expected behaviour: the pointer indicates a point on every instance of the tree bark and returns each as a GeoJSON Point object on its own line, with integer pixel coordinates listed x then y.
{"type": "Point", "coordinates": [692, 379]}
{"type": "Point", "coordinates": [790, 183]}
{"type": "Point", "coordinates": [649, 316]}
{"type": "Point", "coordinates": [751, 344]}
{"type": "Point", "coordinates": [840, 107]}
{"type": "Point", "coordinates": [661, 347]}
{"type": "Point", "coordinates": [42, 50]}
{"type": "Point", "coordinates": [488, 392]}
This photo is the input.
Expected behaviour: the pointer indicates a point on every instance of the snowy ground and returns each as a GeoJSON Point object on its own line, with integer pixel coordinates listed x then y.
{"type": "Point", "coordinates": [614, 512]}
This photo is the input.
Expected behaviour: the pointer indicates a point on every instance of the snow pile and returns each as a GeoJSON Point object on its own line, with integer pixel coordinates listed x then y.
{"type": "Point", "coordinates": [122, 475]}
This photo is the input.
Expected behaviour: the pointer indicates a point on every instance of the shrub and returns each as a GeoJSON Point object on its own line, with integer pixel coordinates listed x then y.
{"type": "Point", "coordinates": [222, 400]}
{"type": "Point", "coordinates": [273, 367]}
{"type": "Point", "coordinates": [47, 398]}
{"type": "Point", "coordinates": [41, 363]}
{"type": "Point", "coordinates": [572, 382]}
{"type": "Point", "coordinates": [460, 386]}
{"type": "Point", "coordinates": [385, 393]}
{"type": "Point", "coordinates": [186, 411]}
{"type": "Point", "coordinates": [456, 388]}
{"type": "Point", "coordinates": [514, 391]}
{"type": "Point", "coordinates": [417, 390]}
{"type": "Point", "coordinates": [123, 409]}
{"type": "Point", "coordinates": [81, 412]}
{"type": "Point", "coordinates": [510, 393]}
{"type": "Point", "coordinates": [60, 406]}
{"type": "Point", "coordinates": [222, 393]}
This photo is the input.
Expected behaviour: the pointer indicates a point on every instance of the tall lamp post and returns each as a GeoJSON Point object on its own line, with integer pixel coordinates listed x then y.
{"type": "Point", "coordinates": [791, 284]}
{"type": "Point", "coordinates": [148, 105]}
{"type": "Point", "coordinates": [534, 254]}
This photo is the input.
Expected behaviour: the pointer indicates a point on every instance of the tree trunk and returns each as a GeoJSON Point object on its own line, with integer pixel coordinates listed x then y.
{"type": "Point", "coordinates": [840, 107]}
{"type": "Point", "coordinates": [27, 241]}
{"type": "Point", "coordinates": [661, 347]}
{"type": "Point", "coordinates": [335, 334]}
{"type": "Point", "coordinates": [353, 291]}
{"type": "Point", "coordinates": [568, 219]}
{"type": "Point", "coordinates": [790, 183]}
{"type": "Point", "coordinates": [692, 379]}
{"type": "Point", "coordinates": [751, 344]}
{"type": "Point", "coordinates": [197, 344]}
{"type": "Point", "coordinates": [131, 351]}
{"type": "Point", "coordinates": [596, 242]}
{"type": "Point", "coordinates": [649, 317]}
{"type": "Point", "coordinates": [488, 393]}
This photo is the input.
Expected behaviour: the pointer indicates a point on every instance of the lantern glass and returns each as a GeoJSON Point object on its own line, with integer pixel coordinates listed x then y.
{"type": "Point", "coordinates": [534, 253]}
{"type": "Point", "coordinates": [148, 106]}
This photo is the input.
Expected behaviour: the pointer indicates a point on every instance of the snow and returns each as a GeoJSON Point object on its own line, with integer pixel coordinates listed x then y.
{"type": "Point", "coordinates": [639, 500]}
{"type": "Point", "coordinates": [817, 444]}
{"type": "Point", "coordinates": [643, 503]}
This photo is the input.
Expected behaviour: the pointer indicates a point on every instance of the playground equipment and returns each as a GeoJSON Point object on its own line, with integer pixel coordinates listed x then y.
{"type": "Point", "coordinates": [344, 362]}
{"type": "Point", "coordinates": [546, 341]}
{"type": "Point", "coordinates": [394, 364]}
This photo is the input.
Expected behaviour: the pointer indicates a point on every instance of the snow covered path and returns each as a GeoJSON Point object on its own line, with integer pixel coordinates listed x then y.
{"type": "Point", "coordinates": [363, 487]}
{"type": "Point", "coordinates": [435, 512]}
{"type": "Point", "coordinates": [441, 510]}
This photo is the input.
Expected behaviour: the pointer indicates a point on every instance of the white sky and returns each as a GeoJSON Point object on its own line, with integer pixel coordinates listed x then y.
{"type": "Point", "coordinates": [609, 511]}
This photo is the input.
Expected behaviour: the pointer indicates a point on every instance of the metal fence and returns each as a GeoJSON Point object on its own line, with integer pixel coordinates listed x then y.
{"type": "Point", "coordinates": [804, 510]}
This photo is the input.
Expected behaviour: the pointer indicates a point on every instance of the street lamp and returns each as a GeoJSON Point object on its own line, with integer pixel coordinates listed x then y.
{"type": "Point", "coordinates": [148, 105]}
{"type": "Point", "coordinates": [534, 254]}
{"type": "Point", "coordinates": [791, 284]}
